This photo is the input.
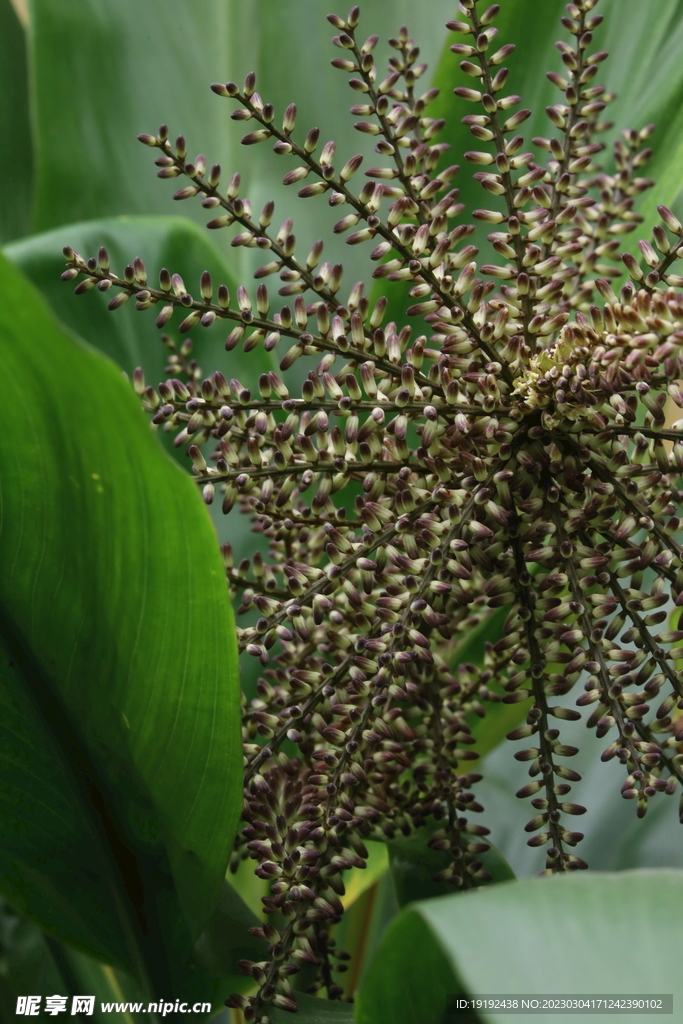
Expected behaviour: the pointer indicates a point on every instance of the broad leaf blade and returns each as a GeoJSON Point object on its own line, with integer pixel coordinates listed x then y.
{"type": "Point", "coordinates": [128, 336]}
{"type": "Point", "coordinates": [414, 865]}
{"type": "Point", "coordinates": [54, 864]}
{"type": "Point", "coordinates": [133, 66]}
{"type": "Point", "coordinates": [16, 169]}
{"type": "Point", "coordinates": [314, 1011]}
{"type": "Point", "coordinates": [117, 619]}
{"type": "Point", "coordinates": [25, 961]}
{"type": "Point", "coordinates": [564, 935]}
{"type": "Point", "coordinates": [31, 962]}
{"type": "Point", "coordinates": [225, 941]}
{"type": "Point", "coordinates": [130, 67]}
{"type": "Point", "coordinates": [616, 839]}
{"type": "Point", "coordinates": [643, 69]}
{"type": "Point", "coordinates": [362, 928]}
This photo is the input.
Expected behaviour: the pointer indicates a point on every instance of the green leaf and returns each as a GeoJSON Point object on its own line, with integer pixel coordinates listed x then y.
{"type": "Point", "coordinates": [615, 838]}
{"type": "Point", "coordinates": [26, 965]}
{"type": "Point", "coordinates": [16, 169]}
{"type": "Point", "coordinates": [37, 964]}
{"type": "Point", "coordinates": [80, 973]}
{"type": "Point", "coordinates": [32, 963]}
{"type": "Point", "coordinates": [362, 927]}
{"type": "Point", "coordinates": [225, 941]}
{"type": "Point", "coordinates": [390, 991]}
{"type": "Point", "coordinates": [133, 66]}
{"type": "Point", "coordinates": [357, 880]}
{"type": "Point", "coordinates": [120, 725]}
{"type": "Point", "coordinates": [646, 73]}
{"type": "Point", "coordinates": [667, 190]}
{"type": "Point", "coordinates": [644, 69]}
{"type": "Point", "coordinates": [129, 336]}
{"type": "Point", "coordinates": [564, 935]}
{"type": "Point", "coordinates": [226, 938]}
{"type": "Point", "coordinates": [500, 718]}
{"type": "Point", "coordinates": [314, 1011]}
{"type": "Point", "coordinates": [414, 864]}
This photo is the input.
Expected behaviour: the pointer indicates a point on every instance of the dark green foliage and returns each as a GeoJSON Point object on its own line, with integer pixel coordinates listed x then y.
{"type": "Point", "coordinates": [461, 504]}
{"type": "Point", "coordinates": [112, 779]}
{"type": "Point", "coordinates": [511, 458]}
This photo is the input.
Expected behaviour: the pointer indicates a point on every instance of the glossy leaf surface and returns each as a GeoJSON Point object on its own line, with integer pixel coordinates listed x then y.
{"type": "Point", "coordinates": [314, 1011]}
{"type": "Point", "coordinates": [121, 760]}
{"type": "Point", "coordinates": [16, 170]}
{"type": "Point", "coordinates": [643, 69]}
{"type": "Point", "coordinates": [133, 66]}
{"type": "Point", "coordinates": [414, 865]}
{"type": "Point", "coordinates": [128, 336]}
{"type": "Point", "coordinates": [508, 940]}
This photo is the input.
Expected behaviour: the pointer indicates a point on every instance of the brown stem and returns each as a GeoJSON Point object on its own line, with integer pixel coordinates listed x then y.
{"type": "Point", "coordinates": [612, 703]}
{"type": "Point", "coordinates": [505, 176]}
{"type": "Point", "coordinates": [427, 275]}
{"type": "Point", "coordinates": [536, 671]}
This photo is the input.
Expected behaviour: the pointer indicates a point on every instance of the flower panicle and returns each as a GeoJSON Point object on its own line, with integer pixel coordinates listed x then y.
{"type": "Point", "coordinates": [498, 461]}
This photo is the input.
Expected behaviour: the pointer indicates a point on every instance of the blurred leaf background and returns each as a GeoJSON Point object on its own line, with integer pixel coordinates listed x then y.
{"type": "Point", "coordinates": [80, 79]}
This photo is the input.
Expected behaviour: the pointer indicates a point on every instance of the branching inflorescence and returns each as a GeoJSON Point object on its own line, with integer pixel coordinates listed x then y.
{"type": "Point", "coordinates": [516, 456]}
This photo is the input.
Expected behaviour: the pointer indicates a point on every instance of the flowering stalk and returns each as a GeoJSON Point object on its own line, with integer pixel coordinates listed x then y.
{"type": "Point", "coordinates": [511, 456]}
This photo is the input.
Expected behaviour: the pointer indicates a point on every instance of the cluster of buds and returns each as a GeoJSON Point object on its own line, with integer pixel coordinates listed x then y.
{"type": "Point", "coordinates": [515, 455]}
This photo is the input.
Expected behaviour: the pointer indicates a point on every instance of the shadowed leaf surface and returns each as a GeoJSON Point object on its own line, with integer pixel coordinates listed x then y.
{"type": "Point", "coordinates": [121, 763]}
{"type": "Point", "coordinates": [479, 943]}
{"type": "Point", "coordinates": [16, 171]}
{"type": "Point", "coordinates": [31, 962]}
{"type": "Point", "coordinates": [314, 1011]}
{"type": "Point", "coordinates": [414, 865]}
{"type": "Point", "coordinates": [127, 336]}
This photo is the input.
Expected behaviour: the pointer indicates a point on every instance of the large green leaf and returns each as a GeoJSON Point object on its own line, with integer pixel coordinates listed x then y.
{"type": "Point", "coordinates": [89, 164]}
{"type": "Point", "coordinates": [314, 1011]}
{"type": "Point", "coordinates": [33, 963]}
{"type": "Point", "coordinates": [414, 865]}
{"type": "Point", "coordinates": [362, 927]}
{"type": "Point", "coordinates": [26, 964]}
{"type": "Point", "coordinates": [16, 170]}
{"type": "Point", "coordinates": [603, 934]}
{"type": "Point", "coordinates": [644, 69]}
{"type": "Point", "coordinates": [646, 72]}
{"type": "Point", "coordinates": [225, 941]}
{"type": "Point", "coordinates": [120, 725]}
{"type": "Point", "coordinates": [132, 66]}
{"type": "Point", "coordinates": [128, 336]}
{"type": "Point", "coordinates": [616, 839]}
